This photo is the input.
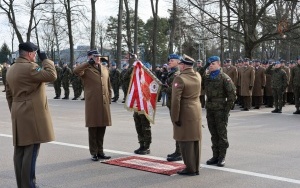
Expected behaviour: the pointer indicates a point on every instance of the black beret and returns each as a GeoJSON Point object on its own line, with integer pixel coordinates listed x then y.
{"type": "Point", "coordinates": [28, 47]}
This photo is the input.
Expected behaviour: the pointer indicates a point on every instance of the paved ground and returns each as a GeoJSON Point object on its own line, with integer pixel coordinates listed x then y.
{"type": "Point", "coordinates": [264, 150]}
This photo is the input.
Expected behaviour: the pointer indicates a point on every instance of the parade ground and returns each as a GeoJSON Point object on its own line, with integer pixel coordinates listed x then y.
{"type": "Point", "coordinates": [264, 150]}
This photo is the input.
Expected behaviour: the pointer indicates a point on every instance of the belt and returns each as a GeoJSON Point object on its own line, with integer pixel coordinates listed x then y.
{"type": "Point", "coordinates": [216, 99]}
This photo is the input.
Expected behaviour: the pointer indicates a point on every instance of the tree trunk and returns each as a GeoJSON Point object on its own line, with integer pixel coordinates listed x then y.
{"type": "Point", "coordinates": [93, 25]}
{"type": "Point", "coordinates": [154, 38]}
{"type": "Point", "coordinates": [221, 32]}
{"type": "Point", "coordinates": [135, 45]}
{"type": "Point", "coordinates": [128, 32]}
{"type": "Point", "coordinates": [70, 32]}
{"type": "Point", "coordinates": [229, 33]}
{"type": "Point", "coordinates": [28, 34]}
{"type": "Point", "coordinates": [173, 28]}
{"type": "Point", "coordinates": [119, 33]}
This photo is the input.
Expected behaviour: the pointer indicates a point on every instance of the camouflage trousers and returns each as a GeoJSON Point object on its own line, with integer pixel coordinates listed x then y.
{"type": "Point", "coordinates": [143, 128]}
{"type": "Point", "coordinates": [278, 97]}
{"type": "Point", "coordinates": [115, 88]}
{"type": "Point", "coordinates": [66, 86]}
{"type": "Point", "coordinates": [297, 96]}
{"type": "Point", "coordinates": [217, 121]}
{"type": "Point", "coordinates": [77, 88]}
{"type": "Point", "coordinates": [57, 88]}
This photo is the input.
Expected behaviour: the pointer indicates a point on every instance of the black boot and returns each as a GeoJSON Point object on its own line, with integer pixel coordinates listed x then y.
{"type": "Point", "coordinates": [297, 111]}
{"type": "Point", "coordinates": [175, 157]}
{"type": "Point", "coordinates": [275, 111]}
{"type": "Point", "coordinates": [139, 149]}
{"type": "Point", "coordinates": [221, 162]}
{"type": "Point", "coordinates": [145, 150]}
{"type": "Point", "coordinates": [279, 110]}
{"type": "Point", "coordinates": [212, 161]}
{"type": "Point", "coordinates": [57, 97]}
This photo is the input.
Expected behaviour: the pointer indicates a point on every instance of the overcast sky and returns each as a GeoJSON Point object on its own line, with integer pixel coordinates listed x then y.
{"type": "Point", "coordinates": [105, 8]}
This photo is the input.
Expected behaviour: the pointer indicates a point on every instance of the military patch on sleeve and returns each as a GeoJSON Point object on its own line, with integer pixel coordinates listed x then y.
{"type": "Point", "coordinates": [175, 84]}
{"type": "Point", "coordinates": [38, 69]}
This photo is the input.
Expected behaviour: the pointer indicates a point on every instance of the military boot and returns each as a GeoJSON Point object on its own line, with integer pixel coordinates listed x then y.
{"type": "Point", "coordinates": [275, 111]}
{"type": "Point", "coordinates": [175, 157]}
{"type": "Point", "coordinates": [140, 148]}
{"type": "Point", "coordinates": [221, 162]}
{"type": "Point", "coordinates": [145, 150]}
{"type": "Point", "coordinates": [297, 111]}
{"type": "Point", "coordinates": [212, 161]}
{"type": "Point", "coordinates": [279, 110]}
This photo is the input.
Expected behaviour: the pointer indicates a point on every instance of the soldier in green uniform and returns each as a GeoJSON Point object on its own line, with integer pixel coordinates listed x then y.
{"type": "Point", "coordinates": [295, 81]}
{"type": "Point", "coordinates": [221, 95]}
{"type": "Point", "coordinates": [278, 84]}
{"type": "Point", "coordinates": [57, 82]}
{"type": "Point", "coordinates": [200, 69]}
{"type": "Point", "coordinates": [3, 72]}
{"type": "Point", "coordinates": [125, 79]}
{"type": "Point", "coordinates": [114, 75]}
{"type": "Point", "coordinates": [174, 60]}
{"type": "Point", "coordinates": [76, 84]}
{"type": "Point", "coordinates": [143, 128]}
{"type": "Point", "coordinates": [65, 79]}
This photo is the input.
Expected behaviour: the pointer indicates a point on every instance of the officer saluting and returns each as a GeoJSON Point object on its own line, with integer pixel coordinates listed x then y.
{"type": "Point", "coordinates": [30, 114]}
{"type": "Point", "coordinates": [221, 95]}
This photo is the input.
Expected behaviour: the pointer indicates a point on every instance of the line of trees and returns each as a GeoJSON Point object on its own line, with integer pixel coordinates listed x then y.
{"type": "Point", "coordinates": [229, 28]}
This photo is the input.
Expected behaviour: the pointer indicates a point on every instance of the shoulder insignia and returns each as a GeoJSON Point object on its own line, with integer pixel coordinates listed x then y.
{"type": "Point", "coordinates": [38, 69]}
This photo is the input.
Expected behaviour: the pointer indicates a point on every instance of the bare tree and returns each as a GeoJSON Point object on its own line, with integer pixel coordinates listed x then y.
{"type": "Point", "coordinates": [8, 7]}
{"type": "Point", "coordinates": [173, 27]}
{"type": "Point", "coordinates": [136, 26]}
{"type": "Point", "coordinates": [93, 24]}
{"type": "Point", "coordinates": [119, 33]}
{"type": "Point", "coordinates": [154, 38]}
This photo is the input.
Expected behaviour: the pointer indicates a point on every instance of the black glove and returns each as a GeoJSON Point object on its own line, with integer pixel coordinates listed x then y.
{"type": "Point", "coordinates": [91, 61]}
{"type": "Point", "coordinates": [42, 55]}
{"type": "Point", "coordinates": [250, 87]}
{"type": "Point", "coordinates": [178, 123]}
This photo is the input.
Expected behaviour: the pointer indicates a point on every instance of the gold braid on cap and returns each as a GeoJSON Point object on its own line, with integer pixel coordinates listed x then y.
{"type": "Point", "coordinates": [188, 58]}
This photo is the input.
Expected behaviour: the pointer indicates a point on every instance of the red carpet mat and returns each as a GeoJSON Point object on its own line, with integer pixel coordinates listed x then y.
{"type": "Point", "coordinates": [146, 164]}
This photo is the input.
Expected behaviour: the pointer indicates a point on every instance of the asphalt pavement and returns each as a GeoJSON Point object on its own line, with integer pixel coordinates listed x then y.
{"type": "Point", "coordinates": [264, 150]}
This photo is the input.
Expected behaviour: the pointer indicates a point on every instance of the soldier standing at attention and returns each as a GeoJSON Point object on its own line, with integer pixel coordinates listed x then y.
{"type": "Point", "coordinates": [114, 75]}
{"type": "Point", "coordinates": [3, 72]}
{"type": "Point", "coordinates": [76, 84]}
{"type": "Point", "coordinates": [125, 80]}
{"type": "Point", "coordinates": [65, 79]}
{"type": "Point", "coordinates": [200, 69]}
{"type": "Point", "coordinates": [97, 93]}
{"type": "Point", "coordinates": [221, 95]}
{"type": "Point", "coordinates": [231, 71]}
{"type": "Point", "coordinates": [295, 81]}
{"type": "Point", "coordinates": [246, 83]}
{"type": "Point", "coordinates": [288, 74]}
{"type": "Point", "coordinates": [30, 114]}
{"type": "Point", "coordinates": [167, 88]}
{"type": "Point", "coordinates": [259, 84]}
{"type": "Point", "coordinates": [57, 82]}
{"type": "Point", "coordinates": [278, 84]}
{"type": "Point", "coordinates": [290, 93]}
{"type": "Point", "coordinates": [186, 115]}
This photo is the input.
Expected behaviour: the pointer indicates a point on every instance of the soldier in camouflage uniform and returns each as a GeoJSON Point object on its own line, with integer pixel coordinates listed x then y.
{"type": "Point", "coordinates": [114, 76]}
{"type": "Point", "coordinates": [200, 69]}
{"type": "Point", "coordinates": [278, 84]}
{"type": "Point", "coordinates": [3, 72]}
{"type": "Point", "coordinates": [65, 79]}
{"type": "Point", "coordinates": [76, 85]}
{"type": "Point", "coordinates": [142, 124]}
{"type": "Point", "coordinates": [173, 59]}
{"type": "Point", "coordinates": [295, 81]}
{"type": "Point", "coordinates": [221, 95]}
{"type": "Point", "coordinates": [125, 79]}
{"type": "Point", "coordinates": [57, 82]}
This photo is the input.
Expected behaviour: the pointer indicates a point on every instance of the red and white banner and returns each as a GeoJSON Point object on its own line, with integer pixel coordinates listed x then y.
{"type": "Point", "coordinates": [143, 91]}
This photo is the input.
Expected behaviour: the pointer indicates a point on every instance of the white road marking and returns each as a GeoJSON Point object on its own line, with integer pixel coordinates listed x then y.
{"type": "Point", "coordinates": [260, 175]}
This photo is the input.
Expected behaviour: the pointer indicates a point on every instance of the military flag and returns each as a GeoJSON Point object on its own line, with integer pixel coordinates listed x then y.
{"type": "Point", "coordinates": [143, 91]}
